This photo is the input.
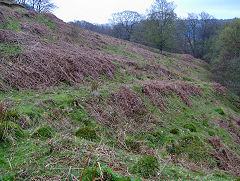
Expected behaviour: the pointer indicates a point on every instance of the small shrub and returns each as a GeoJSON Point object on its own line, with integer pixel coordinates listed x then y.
{"type": "Point", "coordinates": [188, 79]}
{"type": "Point", "coordinates": [220, 111]}
{"type": "Point", "coordinates": [133, 145]}
{"type": "Point", "coordinates": [211, 133]}
{"type": "Point", "coordinates": [174, 131]}
{"type": "Point", "coordinates": [156, 137]}
{"type": "Point", "coordinates": [43, 131]}
{"type": "Point", "coordinates": [147, 166]}
{"type": "Point", "coordinates": [86, 133]}
{"type": "Point", "coordinates": [108, 174]}
{"type": "Point", "coordinates": [10, 131]}
{"type": "Point", "coordinates": [190, 127]}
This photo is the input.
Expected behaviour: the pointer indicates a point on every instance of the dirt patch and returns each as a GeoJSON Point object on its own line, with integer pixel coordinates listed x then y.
{"type": "Point", "coordinates": [156, 90]}
{"type": "Point", "coordinates": [228, 160]}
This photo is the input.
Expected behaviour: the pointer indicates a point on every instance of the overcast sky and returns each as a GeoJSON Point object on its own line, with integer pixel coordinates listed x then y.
{"type": "Point", "coordinates": [99, 11]}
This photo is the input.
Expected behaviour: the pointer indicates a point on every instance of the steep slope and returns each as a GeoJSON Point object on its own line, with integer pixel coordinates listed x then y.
{"type": "Point", "coordinates": [78, 105]}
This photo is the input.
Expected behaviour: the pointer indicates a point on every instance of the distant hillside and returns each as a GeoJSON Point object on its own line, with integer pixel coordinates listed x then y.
{"type": "Point", "coordinates": [78, 105]}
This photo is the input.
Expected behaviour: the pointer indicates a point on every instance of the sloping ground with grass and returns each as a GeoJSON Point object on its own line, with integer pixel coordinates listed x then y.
{"type": "Point", "coordinates": [77, 105]}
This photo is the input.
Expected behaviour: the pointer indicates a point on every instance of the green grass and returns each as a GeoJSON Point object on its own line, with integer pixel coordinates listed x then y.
{"type": "Point", "coordinates": [48, 22]}
{"type": "Point", "coordinates": [9, 50]}
{"type": "Point", "coordinates": [11, 24]}
{"type": "Point", "coordinates": [121, 51]}
{"type": "Point", "coordinates": [193, 127]}
{"type": "Point", "coordinates": [61, 132]}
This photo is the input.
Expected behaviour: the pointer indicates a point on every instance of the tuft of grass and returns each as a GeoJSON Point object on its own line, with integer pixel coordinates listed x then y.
{"type": "Point", "coordinates": [220, 111]}
{"type": "Point", "coordinates": [9, 131]}
{"type": "Point", "coordinates": [108, 174]}
{"type": "Point", "coordinates": [190, 127]}
{"type": "Point", "coordinates": [157, 137]}
{"type": "Point", "coordinates": [44, 131]}
{"type": "Point", "coordinates": [147, 167]}
{"type": "Point", "coordinates": [86, 133]}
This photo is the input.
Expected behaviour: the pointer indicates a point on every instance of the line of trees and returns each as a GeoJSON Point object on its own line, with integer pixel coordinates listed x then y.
{"type": "Point", "coordinates": [162, 29]}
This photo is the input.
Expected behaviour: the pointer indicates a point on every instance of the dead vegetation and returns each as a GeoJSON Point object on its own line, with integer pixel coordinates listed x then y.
{"type": "Point", "coordinates": [128, 102]}
{"type": "Point", "coordinates": [219, 88]}
{"type": "Point", "coordinates": [231, 126]}
{"type": "Point", "coordinates": [157, 90]}
{"type": "Point", "coordinates": [45, 63]}
{"type": "Point", "coordinates": [228, 160]}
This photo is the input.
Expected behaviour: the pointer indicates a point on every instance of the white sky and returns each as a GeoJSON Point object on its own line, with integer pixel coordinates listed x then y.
{"type": "Point", "coordinates": [100, 11]}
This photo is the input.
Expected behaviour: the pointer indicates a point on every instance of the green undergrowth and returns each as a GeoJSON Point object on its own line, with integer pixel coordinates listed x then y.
{"type": "Point", "coordinates": [123, 52]}
{"type": "Point", "coordinates": [47, 21]}
{"type": "Point", "coordinates": [11, 24]}
{"type": "Point", "coordinates": [182, 132]}
{"type": "Point", "coordinates": [9, 50]}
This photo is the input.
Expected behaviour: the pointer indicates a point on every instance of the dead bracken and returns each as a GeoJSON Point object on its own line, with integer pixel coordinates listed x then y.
{"type": "Point", "coordinates": [129, 102]}
{"type": "Point", "coordinates": [156, 90]}
{"type": "Point", "coordinates": [228, 160]}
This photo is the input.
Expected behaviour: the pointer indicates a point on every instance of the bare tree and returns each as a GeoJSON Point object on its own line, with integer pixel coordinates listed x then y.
{"type": "Point", "coordinates": [20, 1]}
{"type": "Point", "coordinates": [197, 31]}
{"type": "Point", "coordinates": [125, 22]}
{"type": "Point", "coordinates": [189, 30]}
{"type": "Point", "coordinates": [42, 5]}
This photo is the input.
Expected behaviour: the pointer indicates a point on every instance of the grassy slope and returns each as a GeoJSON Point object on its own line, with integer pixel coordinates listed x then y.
{"type": "Point", "coordinates": [177, 137]}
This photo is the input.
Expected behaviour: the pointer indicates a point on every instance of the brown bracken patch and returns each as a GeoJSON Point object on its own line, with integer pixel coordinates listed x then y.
{"type": "Point", "coordinates": [129, 102]}
{"type": "Point", "coordinates": [228, 160]}
{"type": "Point", "coordinates": [156, 90]}
{"type": "Point", "coordinates": [219, 88]}
{"type": "Point", "coordinates": [44, 63]}
{"type": "Point", "coordinates": [232, 127]}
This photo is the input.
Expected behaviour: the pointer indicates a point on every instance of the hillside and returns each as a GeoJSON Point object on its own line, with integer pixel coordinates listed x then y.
{"type": "Point", "coordinates": [77, 105]}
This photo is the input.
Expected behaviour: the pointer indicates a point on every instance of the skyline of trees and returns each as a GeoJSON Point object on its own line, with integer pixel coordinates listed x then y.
{"type": "Point", "coordinates": [38, 5]}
